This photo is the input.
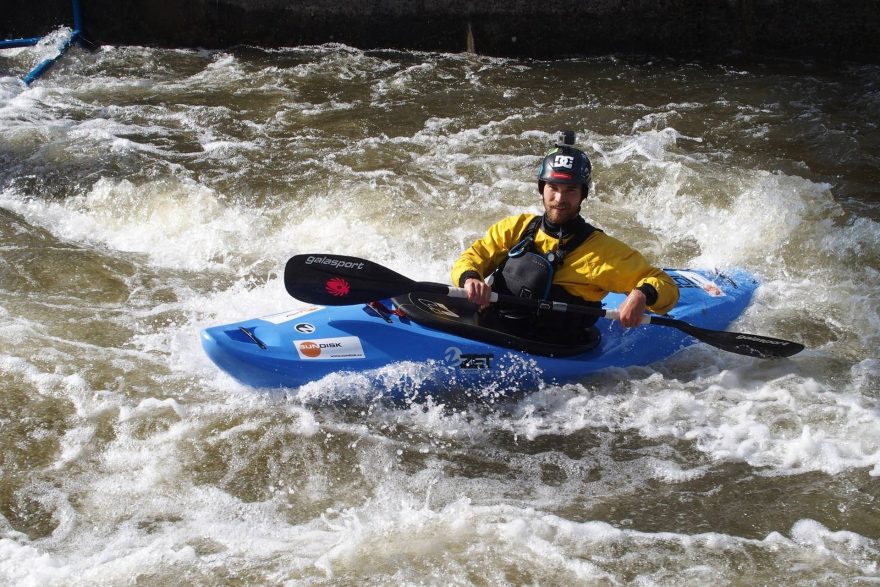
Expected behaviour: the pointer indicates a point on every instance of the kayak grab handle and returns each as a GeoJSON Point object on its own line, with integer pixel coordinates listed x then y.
{"type": "Point", "coordinates": [253, 337]}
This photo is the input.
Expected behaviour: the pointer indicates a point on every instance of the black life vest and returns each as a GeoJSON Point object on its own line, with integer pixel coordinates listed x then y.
{"type": "Point", "coordinates": [529, 274]}
{"type": "Point", "coordinates": [526, 273]}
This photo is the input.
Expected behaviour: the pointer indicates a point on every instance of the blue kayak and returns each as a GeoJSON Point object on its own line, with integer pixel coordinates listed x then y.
{"type": "Point", "coordinates": [441, 338]}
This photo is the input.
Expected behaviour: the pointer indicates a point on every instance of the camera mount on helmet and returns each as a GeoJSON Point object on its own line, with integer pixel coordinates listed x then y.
{"type": "Point", "coordinates": [565, 138]}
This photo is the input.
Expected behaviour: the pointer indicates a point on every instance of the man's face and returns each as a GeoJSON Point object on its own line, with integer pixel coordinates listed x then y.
{"type": "Point", "coordinates": [562, 202]}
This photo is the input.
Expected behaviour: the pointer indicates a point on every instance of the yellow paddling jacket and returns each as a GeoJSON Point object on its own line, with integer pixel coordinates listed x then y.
{"type": "Point", "coordinates": [599, 265]}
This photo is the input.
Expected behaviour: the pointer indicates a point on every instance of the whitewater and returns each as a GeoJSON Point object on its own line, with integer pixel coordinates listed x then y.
{"type": "Point", "coordinates": [146, 194]}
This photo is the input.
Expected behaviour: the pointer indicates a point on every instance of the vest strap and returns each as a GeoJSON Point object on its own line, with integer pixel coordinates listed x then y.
{"type": "Point", "coordinates": [523, 272]}
{"type": "Point", "coordinates": [528, 238]}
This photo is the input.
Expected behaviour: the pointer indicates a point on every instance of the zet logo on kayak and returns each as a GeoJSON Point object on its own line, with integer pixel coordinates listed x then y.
{"type": "Point", "coordinates": [453, 356]}
{"type": "Point", "coordinates": [343, 347]}
{"type": "Point", "coordinates": [467, 362]}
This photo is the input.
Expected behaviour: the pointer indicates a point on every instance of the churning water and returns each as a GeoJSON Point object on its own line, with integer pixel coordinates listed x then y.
{"type": "Point", "coordinates": [146, 194]}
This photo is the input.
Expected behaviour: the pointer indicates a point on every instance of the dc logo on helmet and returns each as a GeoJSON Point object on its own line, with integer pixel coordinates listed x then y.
{"type": "Point", "coordinates": [565, 164]}
{"type": "Point", "coordinates": [566, 161]}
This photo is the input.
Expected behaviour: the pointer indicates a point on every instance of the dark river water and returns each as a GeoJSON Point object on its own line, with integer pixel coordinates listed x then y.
{"type": "Point", "coordinates": [146, 194]}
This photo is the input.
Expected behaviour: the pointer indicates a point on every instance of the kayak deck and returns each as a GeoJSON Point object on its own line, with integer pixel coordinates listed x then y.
{"type": "Point", "coordinates": [304, 345]}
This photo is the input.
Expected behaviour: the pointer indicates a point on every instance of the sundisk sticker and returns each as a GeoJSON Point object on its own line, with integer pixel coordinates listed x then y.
{"type": "Point", "coordinates": [344, 347]}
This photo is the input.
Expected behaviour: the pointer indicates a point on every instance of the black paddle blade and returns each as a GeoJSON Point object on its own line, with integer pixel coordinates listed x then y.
{"type": "Point", "coordinates": [337, 280]}
{"type": "Point", "coordinates": [752, 345]}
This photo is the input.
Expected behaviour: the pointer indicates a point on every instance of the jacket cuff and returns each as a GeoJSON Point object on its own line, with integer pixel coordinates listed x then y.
{"type": "Point", "coordinates": [469, 274]}
{"type": "Point", "coordinates": [650, 293]}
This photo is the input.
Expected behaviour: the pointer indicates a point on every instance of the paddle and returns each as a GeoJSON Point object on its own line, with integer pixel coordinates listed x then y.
{"type": "Point", "coordinates": [337, 280]}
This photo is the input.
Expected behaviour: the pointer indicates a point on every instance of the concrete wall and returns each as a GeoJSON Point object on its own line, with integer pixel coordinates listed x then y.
{"type": "Point", "coordinates": [826, 29]}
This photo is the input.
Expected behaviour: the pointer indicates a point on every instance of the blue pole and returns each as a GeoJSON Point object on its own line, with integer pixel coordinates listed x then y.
{"type": "Point", "coordinates": [19, 43]}
{"type": "Point", "coordinates": [41, 67]}
{"type": "Point", "coordinates": [45, 64]}
{"type": "Point", "coordinates": [77, 18]}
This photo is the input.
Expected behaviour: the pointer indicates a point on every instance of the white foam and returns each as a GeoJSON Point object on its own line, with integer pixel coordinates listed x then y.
{"type": "Point", "coordinates": [544, 545]}
{"type": "Point", "coordinates": [652, 145]}
{"type": "Point", "coordinates": [386, 529]}
{"type": "Point", "coordinates": [180, 224]}
{"type": "Point", "coordinates": [785, 425]}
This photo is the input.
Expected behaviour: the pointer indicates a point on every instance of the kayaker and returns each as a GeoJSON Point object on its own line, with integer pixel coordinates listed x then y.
{"type": "Point", "coordinates": [560, 257]}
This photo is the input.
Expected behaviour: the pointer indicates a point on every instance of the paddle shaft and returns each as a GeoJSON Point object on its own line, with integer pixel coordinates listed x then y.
{"type": "Point", "coordinates": [460, 292]}
{"type": "Point", "coordinates": [753, 345]}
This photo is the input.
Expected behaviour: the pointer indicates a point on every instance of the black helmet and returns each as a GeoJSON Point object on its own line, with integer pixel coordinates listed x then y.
{"type": "Point", "coordinates": [565, 164]}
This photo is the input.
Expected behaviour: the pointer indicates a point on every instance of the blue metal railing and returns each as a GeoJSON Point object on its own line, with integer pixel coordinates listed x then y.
{"type": "Point", "coordinates": [19, 43]}
{"type": "Point", "coordinates": [45, 64]}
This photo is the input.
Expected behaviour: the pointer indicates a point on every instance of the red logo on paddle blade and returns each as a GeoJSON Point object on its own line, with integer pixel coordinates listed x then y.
{"type": "Point", "coordinates": [337, 286]}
